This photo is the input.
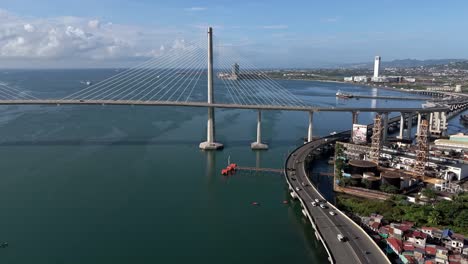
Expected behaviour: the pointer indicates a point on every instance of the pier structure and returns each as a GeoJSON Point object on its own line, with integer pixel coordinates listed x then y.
{"type": "Point", "coordinates": [311, 127]}
{"type": "Point", "coordinates": [258, 145]}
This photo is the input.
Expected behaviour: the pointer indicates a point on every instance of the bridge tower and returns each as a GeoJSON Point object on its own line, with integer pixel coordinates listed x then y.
{"type": "Point", "coordinates": [210, 143]}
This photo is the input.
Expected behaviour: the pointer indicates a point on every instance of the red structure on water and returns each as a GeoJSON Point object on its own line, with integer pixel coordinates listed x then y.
{"type": "Point", "coordinates": [230, 169]}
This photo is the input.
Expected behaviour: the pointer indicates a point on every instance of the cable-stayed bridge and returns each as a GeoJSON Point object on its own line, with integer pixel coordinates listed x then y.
{"type": "Point", "coordinates": [180, 76]}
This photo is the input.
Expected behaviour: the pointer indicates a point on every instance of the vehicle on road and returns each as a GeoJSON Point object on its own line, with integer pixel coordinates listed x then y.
{"type": "Point", "coordinates": [317, 200]}
{"type": "Point", "coordinates": [323, 206]}
{"type": "Point", "coordinates": [341, 237]}
{"type": "Point", "coordinates": [292, 178]}
{"type": "Point", "coordinates": [332, 213]}
{"type": "Point", "coordinates": [298, 189]}
{"type": "Point", "coordinates": [314, 204]}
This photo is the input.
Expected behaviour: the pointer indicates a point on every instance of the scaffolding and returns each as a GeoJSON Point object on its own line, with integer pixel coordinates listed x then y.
{"type": "Point", "coordinates": [376, 138]}
{"type": "Point", "coordinates": [422, 150]}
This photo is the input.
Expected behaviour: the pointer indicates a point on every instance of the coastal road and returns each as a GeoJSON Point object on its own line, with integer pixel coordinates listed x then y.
{"type": "Point", "coordinates": [359, 247]}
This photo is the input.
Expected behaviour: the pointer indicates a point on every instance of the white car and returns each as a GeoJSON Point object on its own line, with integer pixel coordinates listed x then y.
{"type": "Point", "coordinates": [297, 189]}
{"type": "Point", "coordinates": [332, 213]}
{"type": "Point", "coordinates": [341, 237]}
{"type": "Point", "coordinates": [323, 206]}
{"type": "Point", "coordinates": [314, 204]}
{"type": "Point", "coordinates": [317, 200]}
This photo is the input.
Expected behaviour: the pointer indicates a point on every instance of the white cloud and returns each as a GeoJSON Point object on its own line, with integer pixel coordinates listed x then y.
{"type": "Point", "coordinates": [275, 27]}
{"type": "Point", "coordinates": [196, 8]}
{"type": "Point", "coordinates": [29, 28]}
{"type": "Point", "coordinates": [77, 39]}
{"type": "Point", "coordinates": [94, 23]}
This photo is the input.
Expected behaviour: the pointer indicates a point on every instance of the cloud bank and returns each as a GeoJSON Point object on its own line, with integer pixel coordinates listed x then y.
{"type": "Point", "coordinates": [76, 39]}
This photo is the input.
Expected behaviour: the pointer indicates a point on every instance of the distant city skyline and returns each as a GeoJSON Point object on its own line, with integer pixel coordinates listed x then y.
{"type": "Point", "coordinates": [274, 34]}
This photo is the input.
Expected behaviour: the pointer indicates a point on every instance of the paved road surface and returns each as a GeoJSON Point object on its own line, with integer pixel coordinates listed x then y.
{"type": "Point", "coordinates": [359, 248]}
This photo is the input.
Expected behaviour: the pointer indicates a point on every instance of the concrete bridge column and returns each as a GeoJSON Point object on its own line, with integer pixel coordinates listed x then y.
{"type": "Point", "coordinates": [410, 126]}
{"type": "Point", "coordinates": [418, 124]}
{"type": "Point", "coordinates": [355, 117]}
{"type": "Point", "coordinates": [258, 145]}
{"type": "Point", "coordinates": [210, 143]}
{"type": "Point", "coordinates": [385, 127]}
{"type": "Point", "coordinates": [310, 131]}
{"type": "Point", "coordinates": [402, 125]}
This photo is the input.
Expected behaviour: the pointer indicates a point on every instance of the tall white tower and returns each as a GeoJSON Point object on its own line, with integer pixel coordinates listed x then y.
{"type": "Point", "coordinates": [376, 66]}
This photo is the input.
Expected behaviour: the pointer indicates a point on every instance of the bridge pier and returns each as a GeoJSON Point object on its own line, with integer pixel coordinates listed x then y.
{"type": "Point", "coordinates": [418, 124]}
{"type": "Point", "coordinates": [410, 125]}
{"type": "Point", "coordinates": [355, 117]}
{"type": "Point", "coordinates": [210, 143]}
{"type": "Point", "coordinates": [310, 131]}
{"type": "Point", "coordinates": [258, 145]}
{"type": "Point", "coordinates": [402, 125]}
{"type": "Point", "coordinates": [438, 123]}
{"type": "Point", "coordinates": [385, 127]}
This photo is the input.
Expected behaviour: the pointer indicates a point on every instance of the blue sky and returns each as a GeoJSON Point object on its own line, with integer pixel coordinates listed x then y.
{"type": "Point", "coordinates": [304, 33]}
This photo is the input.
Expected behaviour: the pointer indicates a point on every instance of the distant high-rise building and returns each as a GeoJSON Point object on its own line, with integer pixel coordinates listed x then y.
{"type": "Point", "coordinates": [235, 70]}
{"type": "Point", "coordinates": [376, 66]}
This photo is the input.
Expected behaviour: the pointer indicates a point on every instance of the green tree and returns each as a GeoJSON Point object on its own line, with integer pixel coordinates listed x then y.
{"type": "Point", "coordinates": [388, 188]}
{"type": "Point", "coordinates": [434, 217]}
{"type": "Point", "coordinates": [462, 219]}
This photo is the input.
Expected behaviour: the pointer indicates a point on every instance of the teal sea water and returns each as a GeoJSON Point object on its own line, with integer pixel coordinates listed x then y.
{"type": "Point", "coordinates": [123, 184]}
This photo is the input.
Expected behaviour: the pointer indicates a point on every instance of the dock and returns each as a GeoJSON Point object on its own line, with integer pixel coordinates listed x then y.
{"type": "Point", "coordinates": [260, 169]}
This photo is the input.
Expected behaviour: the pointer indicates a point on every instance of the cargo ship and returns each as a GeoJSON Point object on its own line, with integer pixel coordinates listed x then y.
{"type": "Point", "coordinates": [340, 94]}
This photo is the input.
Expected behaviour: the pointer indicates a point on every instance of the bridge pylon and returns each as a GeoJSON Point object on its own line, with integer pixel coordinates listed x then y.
{"type": "Point", "coordinates": [210, 143]}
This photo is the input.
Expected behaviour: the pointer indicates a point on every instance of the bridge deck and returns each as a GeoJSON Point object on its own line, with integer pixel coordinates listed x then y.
{"type": "Point", "coordinates": [217, 105]}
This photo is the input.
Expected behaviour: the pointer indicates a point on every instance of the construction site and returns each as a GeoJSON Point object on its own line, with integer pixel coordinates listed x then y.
{"type": "Point", "coordinates": [376, 167]}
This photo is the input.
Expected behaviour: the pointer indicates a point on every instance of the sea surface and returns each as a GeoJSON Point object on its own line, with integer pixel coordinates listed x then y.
{"type": "Point", "coordinates": [128, 184]}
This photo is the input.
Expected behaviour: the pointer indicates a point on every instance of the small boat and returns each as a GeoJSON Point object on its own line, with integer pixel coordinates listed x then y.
{"type": "Point", "coordinates": [340, 94]}
{"type": "Point", "coordinates": [285, 202]}
{"type": "Point", "coordinates": [256, 203]}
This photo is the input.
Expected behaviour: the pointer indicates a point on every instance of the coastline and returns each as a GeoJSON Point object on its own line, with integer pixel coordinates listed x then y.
{"type": "Point", "coordinates": [350, 83]}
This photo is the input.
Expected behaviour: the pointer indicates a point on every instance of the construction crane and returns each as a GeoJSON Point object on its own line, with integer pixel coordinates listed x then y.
{"type": "Point", "coordinates": [376, 138]}
{"type": "Point", "coordinates": [422, 150]}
